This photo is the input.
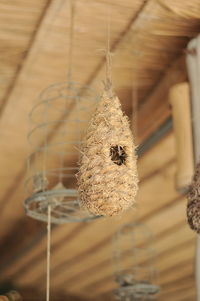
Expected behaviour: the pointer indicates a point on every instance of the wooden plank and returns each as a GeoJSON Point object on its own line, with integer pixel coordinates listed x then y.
{"type": "Point", "coordinates": [94, 261]}
{"type": "Point", "coordinates": [15, 242]}
{"type": "Point", "coordinates": [32, 294]}
{"type": "Point", "coordinates": [13, 269]}
{"type": "Point", "coordinates": [166, 258]}
{"type": "Point", "coordinates": [8, 125]}
{"type": "Point", "coordinates": [157, 101]}
{"type": "Point", "coordinates": [8, 194]}
{"type": "Point", "coordinates": [164, 180]}
{"type": "Point", "coordinates": [147, 162]}
{"type": "Point", "coordinates": [165, 150]}
{"type": "Point", "coordinates": [141, 16]}
{"type": "Point", "coordinates": [18, 22]}
{"type": "Point", "coordinates": [173, 274]}
{"type": "Point", "coordinates": [122, 80]}
{"type": "Point", "coordinates": [181, 283]}
{"type": "Point", "coordinates": [169, 279]}
{"type": "Point", "coordinates": [109, 285]}
{"type": "Point", "coordinates": [187, 291]}
{"type": "Point", "coordinates": [108, 227]}
{"type": "Point", "coordinates": [146, 170]}
{"type": "Point", "coordinates": [32, 79]}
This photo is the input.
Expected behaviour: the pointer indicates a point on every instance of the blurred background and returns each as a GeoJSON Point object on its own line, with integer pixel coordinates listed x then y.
{"type": "Point", "coordinates": [148, 40]}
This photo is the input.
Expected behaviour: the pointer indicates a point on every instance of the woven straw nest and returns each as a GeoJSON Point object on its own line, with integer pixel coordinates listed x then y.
{"type": "Point", "coordinates": [107, 177]}
{"type": "Point", "coordinates": [193, 207]}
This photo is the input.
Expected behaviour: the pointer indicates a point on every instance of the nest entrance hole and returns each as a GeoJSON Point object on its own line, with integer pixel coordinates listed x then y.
{"type": "Point", "coordinates": [118, 154]}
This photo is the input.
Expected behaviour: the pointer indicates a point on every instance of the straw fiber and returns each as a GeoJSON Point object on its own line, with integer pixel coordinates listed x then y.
{"type": "Point", "coordinates": [107, 177]}
{"type": "Point", "coordinates": [193, 209]}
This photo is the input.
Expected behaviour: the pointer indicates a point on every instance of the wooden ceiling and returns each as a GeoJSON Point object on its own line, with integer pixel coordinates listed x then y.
{"type": "Point", "coordinates": [148, 40]}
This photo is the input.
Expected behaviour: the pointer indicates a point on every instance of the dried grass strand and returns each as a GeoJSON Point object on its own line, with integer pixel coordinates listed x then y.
{"type": "Point", "coordinates": [193, 207]}
{"type": "Point", "coordinates": [107, 177]}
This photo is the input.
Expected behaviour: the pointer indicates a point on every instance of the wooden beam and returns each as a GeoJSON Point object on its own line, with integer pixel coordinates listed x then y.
{"type": "Point", "coordinates": [166, 258]}
{"type": "Point", "coordinates": [146, 167]}
{"type": "Point", "coordinates": [155, 108]}
{"type": "Point", "coordinates": [90, 260]}
{"type": "Point", "coordinates": [20, 244]}
{"type": "Point", "coordinates": [175, 273]}
{"type": "Point", "coordinates": [10, 261]}
{"type": "Point", "coordinates": [147, 170]}
{"type": "Point", "coordinates": [32, 294]}
{"type": "Point", "coordinates": [101, 247]}
{"type": "Point", "coordinates": [183, 283]}
{"type": "Point", "coordinates": [98, 227]}
{"type": "Point", "coordinates": [181, 289]}
{"type": "Point", "coordinates": [41, 35]}
{"type": "Point", "coordinates": [134, 23]}
{"type": "Point", "coordinates": [38, 39]}
{"type": "Point", "coordinates": [17, 89]}
{"type": "Point", "coordinates": [25, 56]}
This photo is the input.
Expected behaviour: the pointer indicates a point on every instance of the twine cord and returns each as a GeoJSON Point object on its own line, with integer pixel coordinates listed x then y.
{"type": "Point", "coordinates": [71, 38]}
{"type": "Point", "coordinates": [69, 75]}
{"type": "Point", "coordinates": [45, 150]}
{"type": "Point", "coordinates": [135, 113]}
{"type": "Point", "coordinates": [48, 253]}
{"type": "Point", "coordinates": [108, 82]}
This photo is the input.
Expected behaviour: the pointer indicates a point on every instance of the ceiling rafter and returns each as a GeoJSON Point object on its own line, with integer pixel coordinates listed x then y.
{"type": "Point", "coordinates": [42, 30]}
{"type": "Point", "coordinates": [100, 284]}
{"type": "Point", "coordinates": [38, 38]}
{"type": "Point", "coordinates": [24, 71]}
{"type": "Point", "coordinates": [142, 113]}
{"type": "Point", "coordinates": [155, 98]}
{"type": "Point", "coordinates": [9, 258]}
{"type": "Point", "coordinates": [25, 57]}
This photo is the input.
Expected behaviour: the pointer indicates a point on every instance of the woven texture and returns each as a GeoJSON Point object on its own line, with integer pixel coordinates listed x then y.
{"type": "Point", "coordinates": [107, 178]}
{"type": "Point", "coordinates": [193, 208]}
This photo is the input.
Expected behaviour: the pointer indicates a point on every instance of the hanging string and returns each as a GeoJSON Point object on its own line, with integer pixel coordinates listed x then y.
{"type": "Point", "coordinates": [44, 182]}
{"type": "Point", "coordinates": [108, 81]}
{"type": "Point", "coordinates": [135, 113]}
{"type": "Point", "coordinates": [69, 75]}
{"type": "Point", "coordinates": [71, 38]}
{"type": "Point", "coordinates": [48, 253]}
{"type": "Point", "coordinates": [40, 180]}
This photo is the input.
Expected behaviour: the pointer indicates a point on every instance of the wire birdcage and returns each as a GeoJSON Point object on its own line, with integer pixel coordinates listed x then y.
{"type": "Point", "coordinates": [59, 120]}
{"type": "Point", "coordinates": [134, 260]}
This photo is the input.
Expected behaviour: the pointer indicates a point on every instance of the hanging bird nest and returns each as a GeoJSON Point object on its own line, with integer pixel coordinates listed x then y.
{"type": "Point", "coordinates": [193, 208]}
{"type": "Point", "coordinates": [107, 177]}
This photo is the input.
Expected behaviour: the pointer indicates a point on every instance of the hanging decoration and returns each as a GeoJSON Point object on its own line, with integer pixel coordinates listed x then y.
{"type": "Point", "coordinates": [134, 263]}
{"type": "Point", "coordinates": [193, 208]}
{"type": "Point", "coordinates": [193, 66]}
{"type": "Point", "coordinates": [179, 98]}
{"type": "Point", "coordinates": [107, 177]}
{"type": "Point", "coordinates": [58, 119]}
{"type": "Point", "coordinates": [64, 110]}
{"type": "Point", "coordinates": [193, 59]}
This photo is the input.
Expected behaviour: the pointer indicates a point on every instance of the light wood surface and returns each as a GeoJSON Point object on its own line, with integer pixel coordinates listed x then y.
{"type": "Point", "coordinates": [148, 56]}
{"type": "Point", "coordinates": [179, 98]}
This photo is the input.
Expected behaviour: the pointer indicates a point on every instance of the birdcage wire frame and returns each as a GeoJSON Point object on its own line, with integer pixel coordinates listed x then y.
{"type": "Point", "coordinates": [63, 110]}
{"type": "Point", "coordinates": [134, 261]}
